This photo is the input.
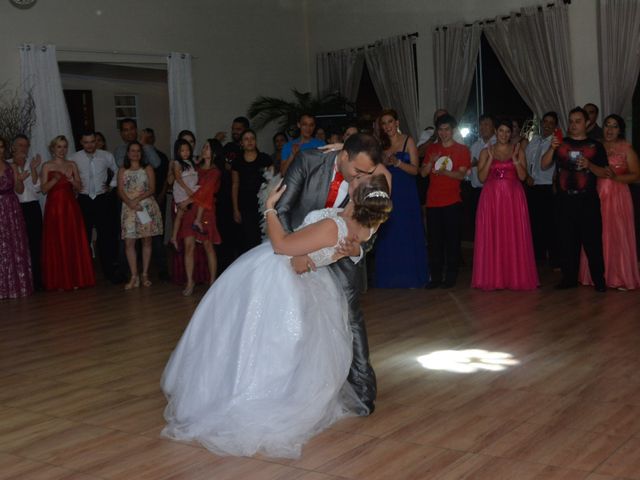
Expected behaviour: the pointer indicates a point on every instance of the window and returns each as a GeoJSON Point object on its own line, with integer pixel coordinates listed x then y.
{"type": "Point", "coordinates": [493, 93]}
{"type": "Point", "coordinates": [126, 107]}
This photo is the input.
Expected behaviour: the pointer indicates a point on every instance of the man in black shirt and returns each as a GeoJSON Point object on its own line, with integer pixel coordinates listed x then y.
{"type": "Point", "coordinates": [230, 248]}
{"type": "Point", "coordinates": [579, 161]}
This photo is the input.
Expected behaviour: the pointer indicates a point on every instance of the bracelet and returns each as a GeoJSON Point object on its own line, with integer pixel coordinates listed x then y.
{"type": "Point", "coordinates": [269, 210]}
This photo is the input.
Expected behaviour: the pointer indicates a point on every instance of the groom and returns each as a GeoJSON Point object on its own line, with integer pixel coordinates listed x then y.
{"type": "Point", "coordinates": [317, 180]}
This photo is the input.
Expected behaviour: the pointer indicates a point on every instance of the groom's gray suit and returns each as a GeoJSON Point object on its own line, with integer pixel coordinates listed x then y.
{"type": "Point", "coordinates": [308, 180]}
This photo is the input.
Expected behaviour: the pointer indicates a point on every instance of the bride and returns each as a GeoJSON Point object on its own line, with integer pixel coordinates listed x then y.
{"type": "Point", "coordinates": [263, 363]}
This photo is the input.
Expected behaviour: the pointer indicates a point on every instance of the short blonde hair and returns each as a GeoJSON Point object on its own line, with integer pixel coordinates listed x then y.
{"type": "Point", "coordinates": [59, 138]}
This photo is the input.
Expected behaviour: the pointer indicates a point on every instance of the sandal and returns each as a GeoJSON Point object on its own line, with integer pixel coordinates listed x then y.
{"type": "Point", "coordinates": [145, 280]}
{"type": "Point", "coordinates": [133, 283]}
{"type": "Point", "coordinates": [187, 292]}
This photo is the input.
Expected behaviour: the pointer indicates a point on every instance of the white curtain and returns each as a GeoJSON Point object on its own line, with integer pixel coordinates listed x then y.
{"type": "Point", "coordinates": [181, 103]}
{"type": "Point", "coordinates": [619, 48]}
{"type": "Point", "coordinates": [455, 55]}
{"type": "Point", "coordinates": [392, 69]}
{"type": "Point", "coordinates": [40, 77]}
{"type": "Point", "coordinates": [533, 48]}
{"type": "Point", "coordinates": [340, 71]}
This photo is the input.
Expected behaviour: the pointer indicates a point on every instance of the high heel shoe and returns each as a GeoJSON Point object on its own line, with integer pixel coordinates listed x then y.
{"type": "Point", "coordinates": [145, 280]}
{"type": "Point", "coordinates": [133, 283]}
{"type": "Point", "coordinates": [187, 292]}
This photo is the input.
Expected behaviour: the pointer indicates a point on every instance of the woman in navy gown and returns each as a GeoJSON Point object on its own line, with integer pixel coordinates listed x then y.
{"type": "Point", "coordinates": [401, 252]}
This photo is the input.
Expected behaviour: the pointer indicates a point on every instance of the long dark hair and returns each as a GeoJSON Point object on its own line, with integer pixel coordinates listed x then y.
{"type": "Point", "coordinates": [217, 152]}
{"type": "Point", "coordinates": [621, 124]}
{"type": "Point", "coordinates": [384, 138]}
{"type": "Point", "coordinates": [127, 160]}
{"type": "Point", "coordinates": [189, 163]}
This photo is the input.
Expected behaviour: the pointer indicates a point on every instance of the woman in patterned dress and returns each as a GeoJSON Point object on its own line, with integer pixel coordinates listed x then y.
{"type": "Point", "coordinates": [140, 212]}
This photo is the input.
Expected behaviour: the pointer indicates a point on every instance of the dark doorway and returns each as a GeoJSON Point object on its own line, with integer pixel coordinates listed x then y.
{"type": "Point", "coordinates": [80, 107]}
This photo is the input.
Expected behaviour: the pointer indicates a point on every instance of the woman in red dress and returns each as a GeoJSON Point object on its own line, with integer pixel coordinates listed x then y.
{"type": "Point", "coordinates": [203, 199]}
{"type": "Point", "coordinates": [66, 260]}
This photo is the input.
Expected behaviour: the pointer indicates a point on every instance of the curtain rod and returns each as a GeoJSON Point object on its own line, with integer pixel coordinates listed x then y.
{"type": "Point", "coordinates": [506, 17]}
{"type": "Point", "coordinates": [116, 52]}
{"type": "Point", "coordinates": [357, 49]}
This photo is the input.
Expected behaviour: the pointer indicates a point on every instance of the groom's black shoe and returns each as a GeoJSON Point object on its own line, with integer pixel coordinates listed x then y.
{"type": "Point", "coordinates": [365, 412]}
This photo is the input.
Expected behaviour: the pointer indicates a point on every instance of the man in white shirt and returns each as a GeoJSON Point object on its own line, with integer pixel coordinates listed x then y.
{"type": "Point", "coordinates": [472, 186]}
{"type": "Point", "coordinates": [98, 173]}
{"type": "Point", "coordinates": [30, 200]}
{"type": "Point", "coordinates": [540, 196]}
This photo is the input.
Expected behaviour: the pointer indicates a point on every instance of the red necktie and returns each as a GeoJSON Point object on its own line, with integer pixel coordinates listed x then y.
{"type": "Point", "coordinates": [333, 190]}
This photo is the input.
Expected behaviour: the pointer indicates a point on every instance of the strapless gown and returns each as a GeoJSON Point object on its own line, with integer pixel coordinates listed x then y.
{"type": "Point", "coordinates": [66, 259]}
{"type": "Point", "coordinates": [503, 255]}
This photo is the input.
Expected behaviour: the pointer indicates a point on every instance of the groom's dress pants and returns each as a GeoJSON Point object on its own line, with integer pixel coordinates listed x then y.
{"type": "Point", "coordinates": [361, 376]}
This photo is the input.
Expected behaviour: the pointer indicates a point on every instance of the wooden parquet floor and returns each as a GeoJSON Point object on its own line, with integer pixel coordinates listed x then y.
{"type": "Point", "coordinates": [472, 385]}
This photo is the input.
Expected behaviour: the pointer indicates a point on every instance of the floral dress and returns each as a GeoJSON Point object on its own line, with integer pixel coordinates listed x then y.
{"type": "Point", "coordinates": [134, 224]}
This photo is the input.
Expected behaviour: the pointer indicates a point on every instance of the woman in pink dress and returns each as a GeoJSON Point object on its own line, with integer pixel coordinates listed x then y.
{"type": "Point", "coordinates": [503, 248]}
{"type": "Point", "coordinates": [15, 260]}
{"type": "Point", "coordinates": [618, 231]}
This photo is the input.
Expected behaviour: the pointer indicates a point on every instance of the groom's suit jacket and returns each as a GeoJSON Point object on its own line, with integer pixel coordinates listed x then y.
{"type": "Point", "coordinates": [308, 180]}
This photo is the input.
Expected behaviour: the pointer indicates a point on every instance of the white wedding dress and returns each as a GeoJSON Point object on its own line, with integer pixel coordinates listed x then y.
{"type": "Point", "coordinates": [263, 363]}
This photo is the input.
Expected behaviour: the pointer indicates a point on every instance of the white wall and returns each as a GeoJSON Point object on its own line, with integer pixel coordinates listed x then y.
{"type": "Point", "coordinates": [336, 24]}
{"type": "Point", "coordinates": [244, 48]}
{"type": "Point", "coordinates": [153, 106]}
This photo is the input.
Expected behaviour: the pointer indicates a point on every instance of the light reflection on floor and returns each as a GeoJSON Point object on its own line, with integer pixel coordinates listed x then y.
{"type": "Point", "coordinates": [467, 361]}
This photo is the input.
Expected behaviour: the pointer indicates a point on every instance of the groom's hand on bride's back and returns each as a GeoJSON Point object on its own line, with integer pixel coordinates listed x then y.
{"type": "Point", "coordinates": [302, 264]}
{"type": "Point", "coordinates": [348, 247]}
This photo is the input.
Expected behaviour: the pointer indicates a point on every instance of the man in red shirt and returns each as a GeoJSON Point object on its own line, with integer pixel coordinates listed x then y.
{"type": "Point", "coordinates": [447, 163]}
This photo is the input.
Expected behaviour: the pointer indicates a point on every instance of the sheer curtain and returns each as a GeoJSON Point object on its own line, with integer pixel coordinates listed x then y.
{"type": "Point", "coordinates": [41, 77]}
{"type": "Point", "coordinates": [533, 48]}
{"type": "Point", "coordinates": [181, 103]}
{"type": "Point", "coordinates": [391, 65]}
{"type": "Point", "coordinates": [340, 71]}
{"type": "Point", "coordinates": [619, 48]}
{"type": "Point", "coordinates": [455, 54]}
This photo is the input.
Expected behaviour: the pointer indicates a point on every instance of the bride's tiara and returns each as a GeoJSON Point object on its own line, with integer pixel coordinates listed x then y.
{"type": "Point", "coordinates": [377, 194]}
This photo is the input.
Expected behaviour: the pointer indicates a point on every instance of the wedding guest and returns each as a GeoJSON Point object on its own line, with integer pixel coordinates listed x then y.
{"type": "Point", "coordinates": [66, 257]}
{"type": "Point", "coordinates": [579, 160]}
{"type": "Point", "coordinates": [279, 141]}
{"type": "Point", "coordinates": [247, 173]}
{"type": "Point", "coordinates": [141, 217]}
{"type": "Point", "coordinates": [350, 130]}
{"type": "Point", "coordinates": [516, 129]}
{"type": "Point", "coordinates": [159, 253]}
{"type": "Point", "coordinates": [170, 209]}
{"type": "Point", "coordinates": [401, 254]}
{"type": "Point", "coordinates": [101, 142]}
{"type": "Point", "coordinates": [29, 200]}
{"type": "Point", "coordinates": [472, 188]}
{"type": "Point", "coordinates": [503, 249]}
{"type": "Point", "coordinates": [334, 136]}
{"type": "Point", "coordinates": [129, 133]}
{"type": "Point", "coordinates": [185, 184]}
{"type": "Point", "coordinates": [204, 198]}
{"type": "Point", "coordinates": [618, 232]}
{"type": "Point", "coordinates": [321, 134]}
{"type": "Point", "coordinates": [594, 131]}
{"type": "Point", "coordinates": [306, 140]}
{"type": "Point", "coordinates": [446, 162]}
{"type": "Point", "coordinates": [96, 167]}
{"type": "Point", "coordinates": [229, 230]}
{"type": "Point", "coordinates": [15, 261]}
{"type": "Point", "coordinates": [540, 195]}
